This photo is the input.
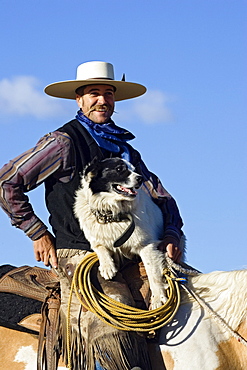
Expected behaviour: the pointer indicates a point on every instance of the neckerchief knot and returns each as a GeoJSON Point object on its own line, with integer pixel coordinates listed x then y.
{"type": "Point", "coordinates": [108, 135]}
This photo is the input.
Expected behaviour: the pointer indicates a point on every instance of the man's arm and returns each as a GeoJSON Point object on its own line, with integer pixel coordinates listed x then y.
{"type": "Point", "coordinates": [172, 220]}
{"type": "Point", "coordinates": [51, 155]}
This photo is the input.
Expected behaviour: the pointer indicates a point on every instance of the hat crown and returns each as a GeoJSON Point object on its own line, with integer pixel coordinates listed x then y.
{"type": "Point", "coordinates": [95, 70]}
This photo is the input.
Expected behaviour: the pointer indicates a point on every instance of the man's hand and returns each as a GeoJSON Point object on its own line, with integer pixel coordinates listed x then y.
{"type": "Point", "coordinates": [44, 250]}
{"type": "Point", "coordinates": [172, 251]}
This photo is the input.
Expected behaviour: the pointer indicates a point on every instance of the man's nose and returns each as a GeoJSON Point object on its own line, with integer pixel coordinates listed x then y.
{"type": "Point", "coordinates": [101, 99]}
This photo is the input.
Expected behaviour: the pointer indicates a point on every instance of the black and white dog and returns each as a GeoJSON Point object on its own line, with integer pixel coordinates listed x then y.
{"type": "Point", "coordinates": [117, 215]}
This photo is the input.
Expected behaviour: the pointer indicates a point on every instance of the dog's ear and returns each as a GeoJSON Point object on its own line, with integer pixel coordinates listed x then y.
{"type": "Point", "coordinates": [92, 168]}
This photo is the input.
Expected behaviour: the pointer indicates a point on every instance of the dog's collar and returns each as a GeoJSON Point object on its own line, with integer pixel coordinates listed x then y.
{"type": "Point", "coordinates": [106, 217]}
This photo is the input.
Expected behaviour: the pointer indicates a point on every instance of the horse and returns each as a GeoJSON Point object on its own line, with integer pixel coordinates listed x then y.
{"type": "Point", "coordinates": [205, 334]}
{"type": "Point", "coordinates": [18, 349]}
{"type": "Point", "coordinates": [208, 334]}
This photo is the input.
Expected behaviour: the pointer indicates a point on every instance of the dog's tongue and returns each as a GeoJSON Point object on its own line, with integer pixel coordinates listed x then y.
{"type": "Point", "coordinates": [126, 190]}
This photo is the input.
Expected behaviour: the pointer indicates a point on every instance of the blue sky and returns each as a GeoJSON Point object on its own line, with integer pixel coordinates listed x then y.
{"type": "Point", "coordinates": [190, 126]}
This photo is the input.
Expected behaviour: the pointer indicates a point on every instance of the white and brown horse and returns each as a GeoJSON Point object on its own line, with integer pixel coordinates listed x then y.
{"type": "Point", "coordinates": [18, 350]}
{"type": "Point", "coordinates": [192, 341]}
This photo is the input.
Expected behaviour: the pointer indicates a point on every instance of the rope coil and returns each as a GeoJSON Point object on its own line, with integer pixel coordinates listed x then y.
{"type": "Point", "coordinates": [117, 314]}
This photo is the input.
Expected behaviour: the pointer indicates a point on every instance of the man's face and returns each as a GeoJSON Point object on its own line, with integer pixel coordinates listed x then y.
{"type": "Point", "coordinates": [97, 102]}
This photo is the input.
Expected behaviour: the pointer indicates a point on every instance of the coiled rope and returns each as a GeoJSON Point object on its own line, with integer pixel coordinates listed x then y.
{"type": "Point", "coordinates": [114, 313]}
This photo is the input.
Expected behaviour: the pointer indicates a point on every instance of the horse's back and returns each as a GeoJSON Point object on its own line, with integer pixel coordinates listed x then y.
{"type": "Point", "coordinates": [194, 339]}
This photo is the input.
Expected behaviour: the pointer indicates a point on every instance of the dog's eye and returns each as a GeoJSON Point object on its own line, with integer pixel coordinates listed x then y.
{"type": "Point", "coordinates": [121, 168]}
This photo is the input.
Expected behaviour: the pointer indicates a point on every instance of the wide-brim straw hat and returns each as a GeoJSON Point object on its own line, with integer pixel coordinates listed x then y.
{"type": "Point", "coordinates": [94, 73]}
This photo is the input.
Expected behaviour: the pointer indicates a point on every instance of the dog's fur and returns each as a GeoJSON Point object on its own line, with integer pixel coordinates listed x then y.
{"type": "Point", "coordinates": [112, 186]}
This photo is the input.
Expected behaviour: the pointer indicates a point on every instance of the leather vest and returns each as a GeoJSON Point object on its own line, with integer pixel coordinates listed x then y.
{"type": "Point", "coordinates": [60, 196]}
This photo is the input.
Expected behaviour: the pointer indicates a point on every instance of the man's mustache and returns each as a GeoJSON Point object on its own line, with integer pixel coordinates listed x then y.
{"type": "Point", "coordinates": [98, 107]}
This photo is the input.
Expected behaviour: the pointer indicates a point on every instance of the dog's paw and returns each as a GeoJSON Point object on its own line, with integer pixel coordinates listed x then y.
{"type": "Point", "coordinates": [108, 271]}
{"type": "Point", "coordinates": [158, 300]}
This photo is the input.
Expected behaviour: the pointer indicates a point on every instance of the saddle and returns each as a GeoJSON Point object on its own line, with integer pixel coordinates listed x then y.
{"type": "Point", "coordinates": [40, 285]}
{"type": "Point", "coordinates": [30, 282]}
{"type": "Point", "coordinates": [43, 285]}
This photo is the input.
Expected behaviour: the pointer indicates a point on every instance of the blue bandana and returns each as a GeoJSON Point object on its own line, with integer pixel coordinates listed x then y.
{"type": "Point", "coordinates": [108, 135]}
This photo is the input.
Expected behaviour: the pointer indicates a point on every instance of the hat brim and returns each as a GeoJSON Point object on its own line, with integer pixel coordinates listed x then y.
{"type": "Point", "coordinates": [66, 89]}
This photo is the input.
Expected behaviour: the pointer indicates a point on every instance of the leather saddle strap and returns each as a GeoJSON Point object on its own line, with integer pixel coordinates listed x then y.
{"type": "Point", "coordinates": [51, 333]}
{"type": "Point", "coordinates": [48, 332]}
{"type": "Point", "coordinates": [41, 343]}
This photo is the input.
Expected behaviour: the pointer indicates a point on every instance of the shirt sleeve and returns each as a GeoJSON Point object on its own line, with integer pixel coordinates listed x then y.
{"type": "Point", "coordinates": [51, 155]}
{"type": "Point", "coordinates": [172, 220]}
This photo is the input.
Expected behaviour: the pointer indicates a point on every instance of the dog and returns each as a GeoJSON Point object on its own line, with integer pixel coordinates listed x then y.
{"type": "Point", "coordinates": [118, 216]}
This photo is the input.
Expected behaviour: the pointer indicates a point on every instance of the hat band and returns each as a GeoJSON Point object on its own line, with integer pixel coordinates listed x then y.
{"type": "Point", "coordinates": [100, 78]}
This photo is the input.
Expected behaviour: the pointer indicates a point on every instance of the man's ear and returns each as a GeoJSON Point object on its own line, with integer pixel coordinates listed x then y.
{"type": "Point", "coordinates": [79, 100]}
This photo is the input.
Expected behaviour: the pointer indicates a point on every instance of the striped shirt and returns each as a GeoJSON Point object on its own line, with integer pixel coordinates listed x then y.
{"type": "Point", "coordinates": [52, 155]}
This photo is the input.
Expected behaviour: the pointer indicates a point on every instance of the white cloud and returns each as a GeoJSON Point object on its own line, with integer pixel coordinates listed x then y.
{"type": "Point", "coordinates": [22, 96]}
{"type": "Point", "coordinates": [153, 107]}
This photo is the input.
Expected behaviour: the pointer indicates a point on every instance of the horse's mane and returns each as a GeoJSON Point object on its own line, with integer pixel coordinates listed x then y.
{"type": "Point", "coordinates": [225, 292]}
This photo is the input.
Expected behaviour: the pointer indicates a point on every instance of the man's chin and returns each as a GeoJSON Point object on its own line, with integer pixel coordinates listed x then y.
{"type": "Point", "coordinates": [99, 117]}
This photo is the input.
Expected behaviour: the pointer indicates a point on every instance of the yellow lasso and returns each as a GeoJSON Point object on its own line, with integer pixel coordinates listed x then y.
{"type": "Point", "coordinates": [116, 314]}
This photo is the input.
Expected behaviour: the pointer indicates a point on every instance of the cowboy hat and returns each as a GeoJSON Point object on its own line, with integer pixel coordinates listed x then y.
{"type": "Point", "coordinates": [94, 73]}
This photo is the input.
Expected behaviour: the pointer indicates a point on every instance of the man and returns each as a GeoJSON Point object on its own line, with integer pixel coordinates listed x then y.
{"type": "Point", "coordinates": [59, 157]}
{"type": "Point", "coordinates": [95, 97]}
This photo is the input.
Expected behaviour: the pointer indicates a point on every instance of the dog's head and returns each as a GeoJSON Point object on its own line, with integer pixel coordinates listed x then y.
{"type": "Point", "coordinates": [113, 175]}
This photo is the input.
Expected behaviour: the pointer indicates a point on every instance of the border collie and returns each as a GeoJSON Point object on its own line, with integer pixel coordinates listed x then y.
{"type": "Point", "coordinates": [118, 217]}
